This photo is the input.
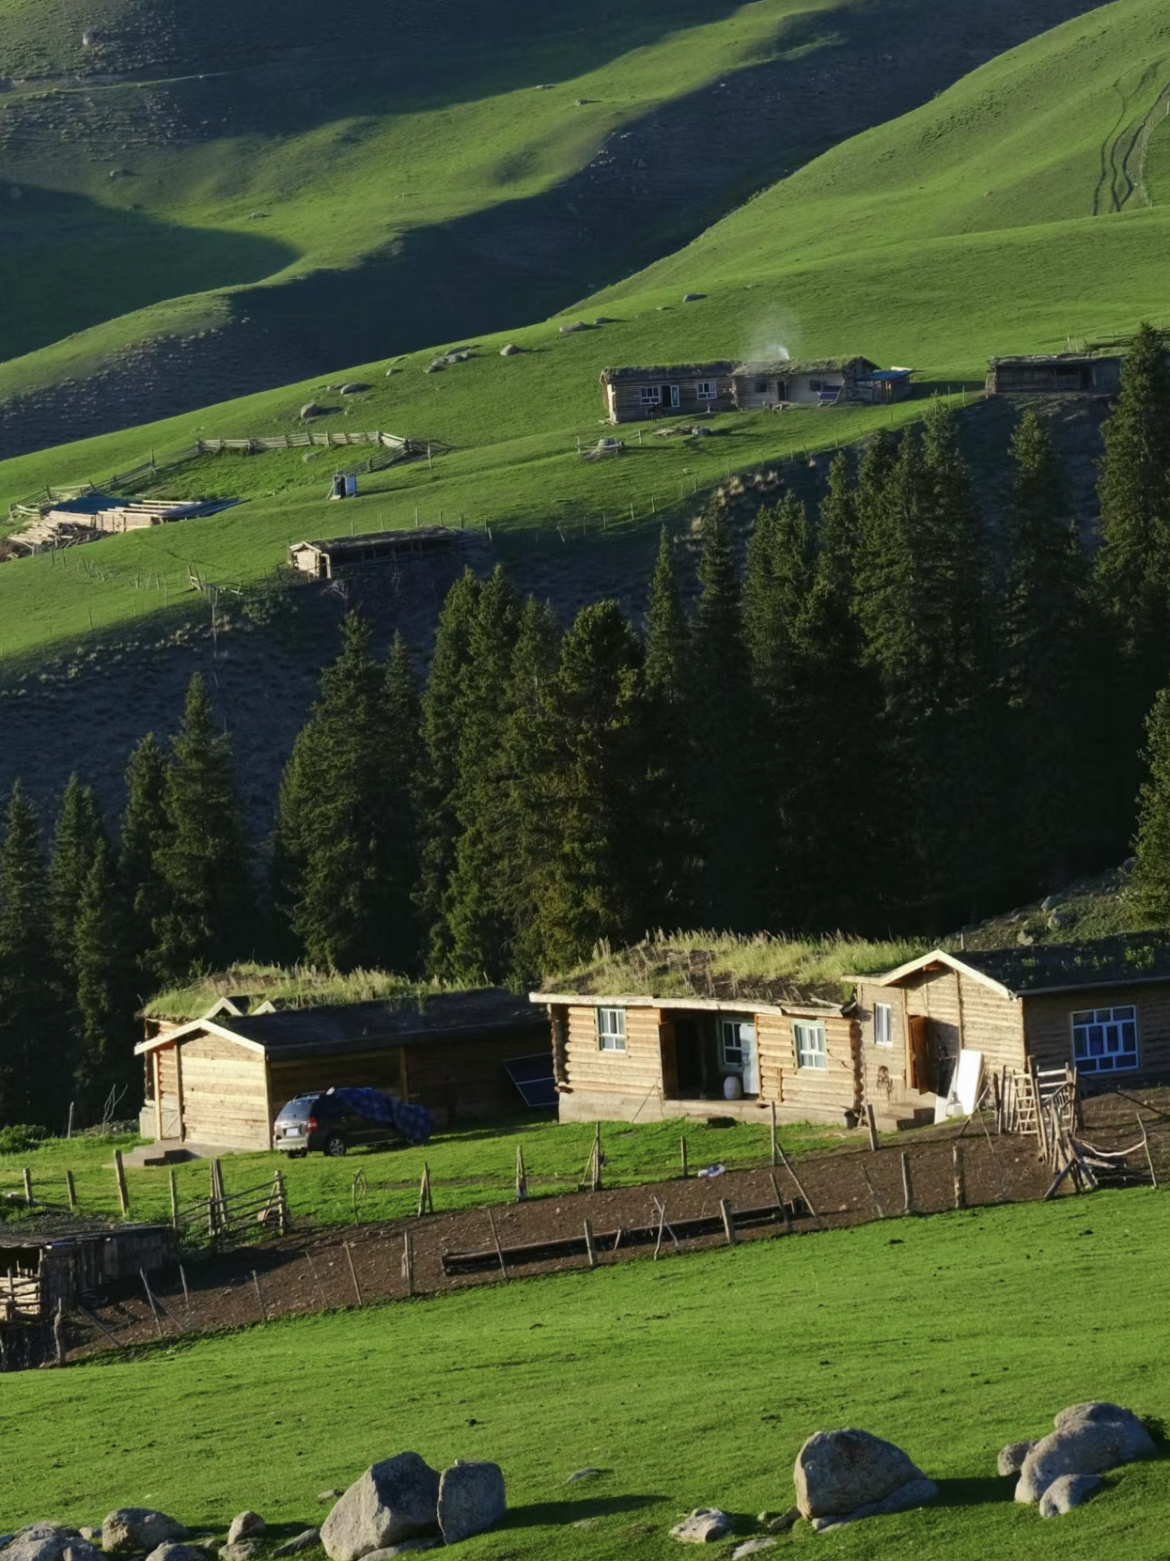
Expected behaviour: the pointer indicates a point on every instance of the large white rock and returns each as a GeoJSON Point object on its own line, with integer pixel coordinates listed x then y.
{"type": "Point", "coordinates": [48, 1542]}
{"type": "Point", "coordinates": [471, 1499]}
{"type": "Point", "coordinates": [246, 1525]}
{"type": "Point", "coordinates": [704, 1526]}
{"type": "Point", "coordinates": [393, 1500]}
{"type": "Point", "coordinates": [839, 1473]}
{"type": "Point", "coordinates": [139, 1528]}
{"type": "Point", "coordinates": [1089, 1438]}
{"type": "Point", "coordinates": [1011, 1458]}
{"type": "Point", "coordinates": [915, 1493]}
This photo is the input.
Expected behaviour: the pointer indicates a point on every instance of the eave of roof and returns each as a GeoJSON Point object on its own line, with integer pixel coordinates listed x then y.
{"type": "Point", "coordinates": [742, 1005]}
{"type": "Point", "coordinates": [935, 957]}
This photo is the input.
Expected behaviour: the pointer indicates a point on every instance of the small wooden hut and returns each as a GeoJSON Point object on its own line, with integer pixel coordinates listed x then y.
{"type": "Point", "coordinates": [326, 560]}
{"type": "Point", "coordinates": [37, 1271]}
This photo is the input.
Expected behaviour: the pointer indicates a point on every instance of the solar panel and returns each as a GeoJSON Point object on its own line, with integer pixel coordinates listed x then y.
{"type": "Point", "coordinates": [533, 1078]}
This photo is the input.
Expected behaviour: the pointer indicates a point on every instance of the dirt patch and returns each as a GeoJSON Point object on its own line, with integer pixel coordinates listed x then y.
{"type": "Point", "coordinates": [308, 1272]}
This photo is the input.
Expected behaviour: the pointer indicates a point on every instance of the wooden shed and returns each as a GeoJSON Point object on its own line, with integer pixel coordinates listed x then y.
{"type": "Point", "coordinates": [620, 1057]}
{"type": "Point", "coordinates": [1102, 1007]}
{"type": "Point", "coordinates": [1075, 373]}
{"type": "Point", "coordinates": [222, 1079]}
{"type": "Point", "coordinates": [326, 560]}
{"type": "Point", "coordinates": [37, 1271]}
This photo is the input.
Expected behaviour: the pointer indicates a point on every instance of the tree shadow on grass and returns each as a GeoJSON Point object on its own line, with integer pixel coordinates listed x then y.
{"type": "Point", "coordinates": [542, 1512]}
{"type": "Point", "coordinates": [978, 1492]}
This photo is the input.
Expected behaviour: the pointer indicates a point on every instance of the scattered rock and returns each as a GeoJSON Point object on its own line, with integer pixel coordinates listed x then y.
{"type": "Point", "coordinates": [94, 1535]}
{"type": "Point", "coordinates": [841, 1476]}
{"type": "Point", "coordinates": [784, 1522]}
{"type": "Point", "coordinates": [139, 1528]}
{"type": "Point", "coordinates": [242, 1550]}
{"type": "Point", "coordinates": [583, 1474]}
{"type": "Point", "coordinates": [750, 1547]}
{"type": "Point", "coordinates": [302, 1541]}
{"type": "Point", "coordinates": [692, 298]}
{"type": "Point", "coordinates": [1050, 902]}
{"type": "Point", "coordinates": [509, 351]}
{"type": "Point", "coordinates": [700, 431]}
{"type": "Point", "coordinates": [1011, 1457]}
{"type": "Point", "coordinates": [1024, 938]}
{"type": "Point", "coordinates": [246, 1525]}
{"type": "Point", "coordinates": [49, 1542]}
{"type": "Point", "coordinates": [1069, 1491]}
{"type": "Point", "coordinates": [393, 1500]}
{"type": "Point", "coordinates": [354, 388]}
{"type": "Point", "coordinates": [471, 1499]}
{"type": "Point", "coordinates": [436, 367]}
{"type": "Point", "coordinates": [1088, 1439]}
{"type": "Point", "coordinates": [403, 1549]}
{"type": "Point", "coordinates": [175, 1550]}
{"type": "Point", "coordinates": [311, 409]}
{"type": "Point", "coordinates": [1059, 919]}
{"type": "Point", "coordinates": [572, 326]}
{"type": "Point", "coordinates": [704, 1526]}
{"type": "Point", "coordinates": [329, 1495]}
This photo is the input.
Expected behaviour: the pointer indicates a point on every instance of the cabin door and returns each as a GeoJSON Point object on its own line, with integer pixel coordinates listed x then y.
{"type": "Point", "coordinates": [921, 1060]}
{"type": "Point", "coordinates": [169, 1093]}
{"type": "Point", "coordinates": [670, 396]}
{"type": "Point", "coordinates": [669, 1052]}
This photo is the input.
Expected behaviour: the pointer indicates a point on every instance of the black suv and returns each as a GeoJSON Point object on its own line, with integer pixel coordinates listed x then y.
{"type": "Point", "coordinates": [332, 1121]}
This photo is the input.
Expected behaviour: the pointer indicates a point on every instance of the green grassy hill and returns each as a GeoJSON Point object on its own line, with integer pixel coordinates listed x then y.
{"type": "Point", "coordinates": [201, 201]}
{"type": "Point", "coordinates": [689, 1382]}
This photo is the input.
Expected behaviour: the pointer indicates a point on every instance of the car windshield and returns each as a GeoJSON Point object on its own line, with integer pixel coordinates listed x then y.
{"type": "Point", "coordinates": [302, 1106]}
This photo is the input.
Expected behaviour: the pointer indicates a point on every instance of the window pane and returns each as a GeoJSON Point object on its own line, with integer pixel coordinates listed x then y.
{"type": "Point", "coordinates": [1082, 1018]}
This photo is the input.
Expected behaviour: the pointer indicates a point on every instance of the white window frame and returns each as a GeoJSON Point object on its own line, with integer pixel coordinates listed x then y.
{"type": "Point", "coordinates": [651, 395]}
{"type": "Point", "coordinates": [731, 1056]}
{"type": "Point", "coordinates": [1119, 1052]}
{"type": "Point", "coordinates": [808, 1037]}
{"type": "Point", "coordinates": [611, 1029]}
{"type": "Point", "coordinates": [707, 390]}
{"type": "Point", "coordinates": [883, 1024]}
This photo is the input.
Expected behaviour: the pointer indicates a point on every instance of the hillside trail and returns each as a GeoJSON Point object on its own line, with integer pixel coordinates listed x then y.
{"type": "Point", "coordinates": [1121, 175]}
{"type": "Point", "coordinates": [309, 1271]}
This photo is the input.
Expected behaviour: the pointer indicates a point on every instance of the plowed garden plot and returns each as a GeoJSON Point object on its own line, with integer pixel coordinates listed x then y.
{"type": "Point", "coordinates": [303, 1272]}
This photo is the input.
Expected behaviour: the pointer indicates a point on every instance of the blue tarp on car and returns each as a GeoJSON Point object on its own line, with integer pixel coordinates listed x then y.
{"type": "Point", "coordinates": [413, 1122]}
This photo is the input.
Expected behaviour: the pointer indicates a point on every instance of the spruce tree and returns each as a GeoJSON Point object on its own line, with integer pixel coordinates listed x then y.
{"type": "Point", "coordinates": [34, 1061]}
{"type": "Point", "coordinates": [79, 834]}
{"type": "Point", "coordinates": [667, 635]}
{"type": "Point", "coordinates": [207, 918]}
{"type": "Point", "coordinates": [144, 826]}
{"type": "Point", "coordinates": [442, 710]}
{"type": "Point", "coordinates": [1044, 646]}
{"type": "Point", "coordinates": [105, 1073]}
{"type": "Point", "coordinates": [722, 733]}
{"type": "Point", "coordinates": [345, 840]}
{"type": "Point", "coordinates": [673, 854]}
{"type": "Point", "coordinates": [1133, 564]}
{"type": "Point", "coordinates": [1151, 876]}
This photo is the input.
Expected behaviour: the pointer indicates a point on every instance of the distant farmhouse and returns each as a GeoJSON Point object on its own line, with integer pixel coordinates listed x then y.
{"type": "Point", "coordinates": [634, 394]}
{"type": "Point", "coordinates": [1075, 373]}
{"type": "Point", "coordinates": [896, 1042]}
{"type": "Point", "coordinates": [327, 559]}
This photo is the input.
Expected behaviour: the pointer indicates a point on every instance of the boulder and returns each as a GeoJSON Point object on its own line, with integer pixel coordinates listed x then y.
{"type": "Point", "coordinates": [302, 1541]}
{"type": "Point", "coordinates": [1069, 1491]}
{"type": "Point", "coordinates": [784, 1522]}
{"type": "Point", "coordinates": [691, 298]}
{"type": "Point", "coordinates": [583, 1474]}
{"type": "Point", "coordinates": [750, 1548]}
{"type": "Point", "coordinates": [838, 1472]}
{"type": "Point", "coordinates": [704, 1526]}
{"type": "Point", "coordinates": [1011, 1458]}
{"type": "Point", "coordinates": [404, 1549]}
{"type": "Point", "coordinates": [139, 1528]}
{"type": "Point", "coordinates": [572, 326]}
{"type": "Point", "coordinates": [311, 409]}
{"type": "Point", "coordinates": [353, 389]}
{"type": "Point", "coordinates": [393, 1500]}
{"type": "Point", "coordinates": [242, 1550]}
{"type": "Point", "coordinates": [471, 1499]}
{"type": "Point", "coordinates": [175, 1550]}
{"type": "Point", "coordinates": [509, 350]}
{"type": "Point", "coordinates": [915, 1493]}
{"type": "Point", "coordinates": [246, 1525]}
{"type": "Point", "coordinates": [1088, 1439]}
{"type": "Point", "coordinates": [49, 1542]}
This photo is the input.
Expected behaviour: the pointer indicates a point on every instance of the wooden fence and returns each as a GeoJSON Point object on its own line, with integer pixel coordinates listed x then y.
{"type": "Point", "coordinates": [224, 1219]}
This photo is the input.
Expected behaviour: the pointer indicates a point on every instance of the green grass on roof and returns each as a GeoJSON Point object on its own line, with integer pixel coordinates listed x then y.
{"type": "Point", "coordinates": [299, 986]}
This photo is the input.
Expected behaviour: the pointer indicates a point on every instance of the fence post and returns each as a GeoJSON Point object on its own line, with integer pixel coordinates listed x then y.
{"type": "Point", "coordinates": [174, 1198]}
{"type": "Point", "coordinates": [120, 1175]}
{"type": "Point", "coordinates": [728, 1223]}
{"type": "Point", "coordinates": [71, 1191]}
{"type": "Point", "coordinates": [871, 1124]}
{"type": "Point", "coordinates": [408, 1262]}
{"type": "Point", "coordinates": [28, 1192]}
{"type": "Point", "coordinates": [521, 1178]}
{"type": "Point", "coordinates": [907, 1191]}
{"type": "Point", "coordinates": [682, 1145]}
{"type": "Point", "coordinates": [775, 1145]}
{"type": "Point", "coordinates": [596, 1157]}
{"type": "Point", "coordinates": [960, 1184]}
{"type": "Point", "coordinates": [353, 1274]}
{"type": "Point", "coordinates": [590, 1249]}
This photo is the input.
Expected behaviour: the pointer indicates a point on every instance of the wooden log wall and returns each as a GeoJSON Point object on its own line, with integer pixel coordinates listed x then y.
{"type": "Point", "coordinates": [1047, 1023]}
{"type": "Point", "coordinates": [225, 1097]}
{"type": "Point", "coordinates": [637, 1071]}
{"type": "Point", "coordinates": [823, 1092]}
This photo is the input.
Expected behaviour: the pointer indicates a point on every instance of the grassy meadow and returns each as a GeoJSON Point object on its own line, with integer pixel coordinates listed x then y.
{"type": "Point", "coordinates": [470, 1166]}
{"type": "Point", "coordinates": [689, 1382]}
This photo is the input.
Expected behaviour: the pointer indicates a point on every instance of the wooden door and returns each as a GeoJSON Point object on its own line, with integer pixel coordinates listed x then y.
{"type": "Point", "coordinates": [921, 1068]}
{"type": "Point", "coordinates": [668, 1049]}
{"type": "Point", "coordinates": [170, 1103]}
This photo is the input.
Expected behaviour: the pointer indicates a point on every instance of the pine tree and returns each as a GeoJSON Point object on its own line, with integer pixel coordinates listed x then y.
{"type": "Point", "coordinates": [1133, 564]}
{"type": "Point", "coordinates": [667, 634]}
{"type": "Point", "coordinates": [203, 859]}
{"type": "Point", "coordinates": [34, 1065]}
{"type": "Point", "coordinates": [722, 726]}
{"type": "Point", "coordinates": [104, 1071]}
{"type": "Point", "coordinates": [345, 839]}
{"type": "Point", "coordinates": [673, 851]}
{"type": "Point", "coordinates": [1151, 876]}
{"type": "Point", "coordinates": [79, 834]}
{"type": "Point", "coordinates": [1044, 639]}
{"type": "Point", "coordinates": [442, 708]}
{"type": "Point", "coordinates": [144, 827]}
{"type": "Point", "coordinates": [476, 930]}
{"type": "Point", "coordinates": [593, 767]}
{"type": "Point", "coordinates": [839, 530]}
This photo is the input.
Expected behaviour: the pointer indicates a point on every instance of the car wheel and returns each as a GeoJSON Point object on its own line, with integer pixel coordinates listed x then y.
{"type": "Point", "coordinates": [335, 1145]}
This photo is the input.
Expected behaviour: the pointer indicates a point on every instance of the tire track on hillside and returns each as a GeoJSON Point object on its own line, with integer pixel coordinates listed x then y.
{"type": "Point", "coordinates": [1122, 154]}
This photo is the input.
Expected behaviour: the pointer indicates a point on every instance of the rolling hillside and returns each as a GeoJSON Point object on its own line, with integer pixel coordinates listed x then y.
{"type": "Point", "coordinates": [203, 201]}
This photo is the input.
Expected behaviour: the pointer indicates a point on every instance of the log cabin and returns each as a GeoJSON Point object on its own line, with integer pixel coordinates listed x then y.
{"type": "Point", "coordinates": [1068, 373]}
{"type": "Point", "coordinates": [329, 558]}
{"type": "Point", "coordinates": [1101, 1007]}
{"type": "Point", "coordinates": [634, 394]}
{"type": "Point", "coordinates": [220, 1080]}
{"type": "Point", "coordinates": [650, 1058]}
{"type": "Point", "coordinates": [38, 1270]}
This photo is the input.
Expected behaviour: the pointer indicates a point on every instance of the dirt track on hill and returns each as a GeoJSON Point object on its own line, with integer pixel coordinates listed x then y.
{"type": "Point", "coordinates": [307, 1271]}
